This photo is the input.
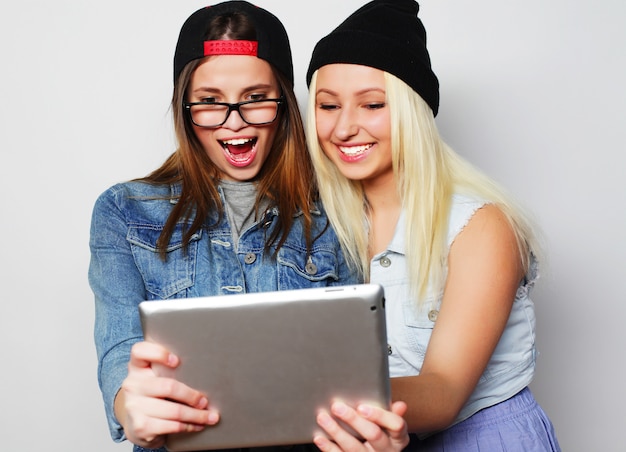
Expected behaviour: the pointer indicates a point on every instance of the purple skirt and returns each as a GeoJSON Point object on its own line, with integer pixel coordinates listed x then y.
{"type": "Point", "coordinates": [517, 424]}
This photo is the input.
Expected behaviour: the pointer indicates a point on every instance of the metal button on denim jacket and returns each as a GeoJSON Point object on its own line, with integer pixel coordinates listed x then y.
{"type": "Point", "coordinates": [126, 268]}
{"type": "Point", "coordinates": [512, 364]}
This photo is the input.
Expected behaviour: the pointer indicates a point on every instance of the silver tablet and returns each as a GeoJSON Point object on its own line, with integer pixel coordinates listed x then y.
{"type": "Point", "coordinates": [270, 361]}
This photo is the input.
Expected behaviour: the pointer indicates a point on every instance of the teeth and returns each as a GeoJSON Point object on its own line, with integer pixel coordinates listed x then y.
{"type": "Point", "coordinates": [237, 141]}
{"type": "Point", "coordinates": [355, 150]}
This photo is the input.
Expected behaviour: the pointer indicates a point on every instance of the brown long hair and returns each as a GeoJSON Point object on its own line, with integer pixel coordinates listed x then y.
{"type": "Point", "coordinates": [286, 178]}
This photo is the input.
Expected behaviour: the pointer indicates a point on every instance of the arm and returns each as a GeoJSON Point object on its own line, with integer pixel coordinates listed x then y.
{"type": "Point", "coordinates": [484, 271]}
{"type": "Point", "coordinates": [118, 288]}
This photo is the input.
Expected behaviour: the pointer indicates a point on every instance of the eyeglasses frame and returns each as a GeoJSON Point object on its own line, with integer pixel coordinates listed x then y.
{"type": "Point", "coordinates": [234, 107]}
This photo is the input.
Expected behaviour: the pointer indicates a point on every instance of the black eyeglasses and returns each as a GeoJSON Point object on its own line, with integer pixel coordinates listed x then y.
{"type": "Point", "coordinates": [214, 114]}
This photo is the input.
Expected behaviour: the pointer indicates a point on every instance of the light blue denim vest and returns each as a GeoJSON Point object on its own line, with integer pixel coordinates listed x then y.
{"type": "Point", "coordinates": [511, 367]}
{"type": "Point", "coordinates": [126, 269]}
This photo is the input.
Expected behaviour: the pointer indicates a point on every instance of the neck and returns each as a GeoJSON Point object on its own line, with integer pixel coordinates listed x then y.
{"type": "Point", "coordinates": [384, 207]}
{"type": "Point", "coordinates": [382, 196]}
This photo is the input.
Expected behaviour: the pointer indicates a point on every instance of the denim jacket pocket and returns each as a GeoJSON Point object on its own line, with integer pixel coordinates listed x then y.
{"type": "Point", "coordinates": [321, 268]}
{"type": "Point", "coordinates": [420, 321]}
{"type": "Point", "coordinates": [169, 277]}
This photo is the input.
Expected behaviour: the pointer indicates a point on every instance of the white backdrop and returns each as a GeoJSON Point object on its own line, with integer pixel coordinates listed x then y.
{"type": "Point", "coordinates": [532, 92]}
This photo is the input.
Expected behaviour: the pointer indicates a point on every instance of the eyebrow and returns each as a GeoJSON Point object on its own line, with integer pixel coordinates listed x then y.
{"type": "Point", "coordinates": [358, 93]}
{"type": "Point", "coordinates": [210, 89]}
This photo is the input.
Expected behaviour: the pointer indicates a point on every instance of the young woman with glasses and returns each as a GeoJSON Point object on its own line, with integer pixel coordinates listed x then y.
{"type": "Point", "coordinates": [234, 209]}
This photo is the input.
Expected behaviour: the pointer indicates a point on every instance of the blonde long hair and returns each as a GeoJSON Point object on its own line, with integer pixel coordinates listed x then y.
{"type": "Point", "coordinates": [428, 172]}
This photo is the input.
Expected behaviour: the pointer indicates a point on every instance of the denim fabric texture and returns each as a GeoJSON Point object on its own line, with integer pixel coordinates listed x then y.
{"type": "Point", "coordinates": [512, 365]}
{"type": "Point", "coordinates": [126, 269]}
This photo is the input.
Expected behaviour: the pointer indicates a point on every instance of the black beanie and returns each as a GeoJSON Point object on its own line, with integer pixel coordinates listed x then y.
{"type": "Point", "coordinates": [386, 35]}
{"type": "Point", "coordinates": [273, 43]}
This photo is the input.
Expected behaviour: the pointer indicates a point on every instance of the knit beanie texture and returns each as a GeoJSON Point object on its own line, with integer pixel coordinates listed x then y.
{"type": "Point", "coordinates": [386, 35]}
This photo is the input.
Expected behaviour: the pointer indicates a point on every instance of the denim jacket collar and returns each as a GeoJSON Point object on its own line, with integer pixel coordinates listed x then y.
{"type": "Point", "coordinates": [177, 188]}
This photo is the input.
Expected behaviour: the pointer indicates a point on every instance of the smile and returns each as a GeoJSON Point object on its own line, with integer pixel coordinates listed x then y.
{"type": "Point", "coordinates": [239, 151]}
{"type": "Point", "coordinates": [235, 143]}
{"type": "Point", "coordinates": [354, 151]}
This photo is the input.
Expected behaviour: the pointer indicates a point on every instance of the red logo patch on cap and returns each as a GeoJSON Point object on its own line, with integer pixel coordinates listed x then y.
{"type": "Point", "coordinates": [231, 47]}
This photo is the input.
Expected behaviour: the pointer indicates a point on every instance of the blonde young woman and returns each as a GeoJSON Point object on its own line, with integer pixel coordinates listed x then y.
{"type": "Point", "coordinates": [232, 210]}
{"type": "Point", "coordinates": [456, 257]}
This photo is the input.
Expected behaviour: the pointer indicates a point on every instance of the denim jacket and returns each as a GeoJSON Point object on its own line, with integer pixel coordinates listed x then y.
{"type": "Point", "coordinates": [512, 364]}
{"type": "Point", "coordinates": [125, 268]}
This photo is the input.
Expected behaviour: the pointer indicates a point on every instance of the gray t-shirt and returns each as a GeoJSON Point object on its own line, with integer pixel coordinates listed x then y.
{"type": "Point", "coordinates": [240, 198]}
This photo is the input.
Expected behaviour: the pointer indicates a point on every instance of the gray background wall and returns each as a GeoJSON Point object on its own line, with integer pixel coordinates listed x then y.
{"type": "Point", "coordinates": [532, 92]}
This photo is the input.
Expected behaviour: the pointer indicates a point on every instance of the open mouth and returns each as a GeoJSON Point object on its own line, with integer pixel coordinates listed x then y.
{"type": "Point", "coordinates": [239, 151]}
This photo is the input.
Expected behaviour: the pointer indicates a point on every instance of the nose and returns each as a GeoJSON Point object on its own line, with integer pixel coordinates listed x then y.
{"type": "Point", "coordinates": [234, 121]}
{"type": "Point", "coordinates": [347, 124]}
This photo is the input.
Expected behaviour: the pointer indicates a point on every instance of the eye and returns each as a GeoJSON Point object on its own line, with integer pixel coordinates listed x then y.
{"type": "Point", "coordinates": [375, 105]}
{"type": "Point", "coordinates": [208, 99]}
{"type": "Point", "coordinates": [257, 96]}
{"type": "Point", "coordinates": [328, 107]}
